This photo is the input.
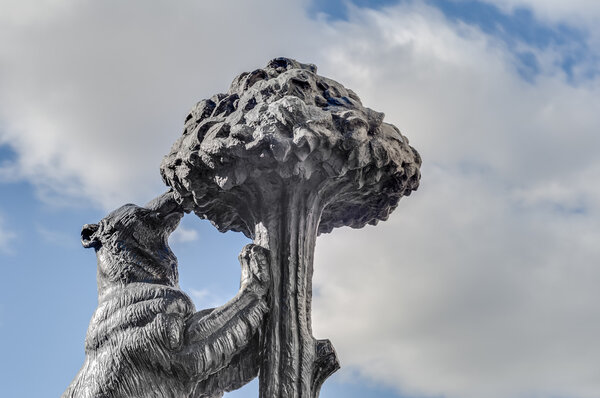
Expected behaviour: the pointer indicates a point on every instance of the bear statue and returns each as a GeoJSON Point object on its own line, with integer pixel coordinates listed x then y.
{"type": "Point", "coordinates": [145, 338]}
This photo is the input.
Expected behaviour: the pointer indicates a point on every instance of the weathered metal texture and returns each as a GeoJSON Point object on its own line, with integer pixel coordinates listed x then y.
{"type": "Point", "coordinates": [145, 338]}
{"type": "Point", "coordinates": [284, 155]}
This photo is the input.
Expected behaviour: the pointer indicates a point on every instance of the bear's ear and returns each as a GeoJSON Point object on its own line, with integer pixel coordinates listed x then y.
{"type": "Point", "coordinates": [88, 236]}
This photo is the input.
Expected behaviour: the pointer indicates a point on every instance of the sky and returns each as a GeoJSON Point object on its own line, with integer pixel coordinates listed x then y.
{"type": "Point", "coordinates": [482, 284]}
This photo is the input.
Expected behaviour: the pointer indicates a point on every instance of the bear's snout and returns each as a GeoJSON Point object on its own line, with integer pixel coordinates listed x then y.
{"type": "Point", "coordinates": [165, 204]}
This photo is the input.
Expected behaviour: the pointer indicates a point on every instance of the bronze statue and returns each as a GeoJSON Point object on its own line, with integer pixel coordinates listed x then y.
{"type": "Point", "coordinates": [283, 156]}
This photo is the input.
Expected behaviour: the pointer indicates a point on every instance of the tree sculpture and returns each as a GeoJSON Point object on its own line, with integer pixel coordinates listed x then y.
{"type": "Point", "coordinates": [286, 155]}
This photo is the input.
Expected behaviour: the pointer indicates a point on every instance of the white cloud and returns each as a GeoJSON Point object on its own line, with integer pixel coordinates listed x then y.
{"type": "Point", "coordinates": [94, 93]}
{"type": "Point", "coordinates": [482, 284]}
{"type": "Point", "coordinates": [460, 294]}
{"type": "Point", "coordinates": [204, 298]}
{"type": "Point", "coordinates": [184, 235]}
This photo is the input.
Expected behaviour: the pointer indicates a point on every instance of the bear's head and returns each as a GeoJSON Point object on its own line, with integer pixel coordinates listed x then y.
{"type": "Point", "coordinates": [131, 244]}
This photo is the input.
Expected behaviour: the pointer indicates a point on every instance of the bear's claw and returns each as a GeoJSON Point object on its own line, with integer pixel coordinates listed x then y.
{"type": "Point", "coordinates": [254, 261]}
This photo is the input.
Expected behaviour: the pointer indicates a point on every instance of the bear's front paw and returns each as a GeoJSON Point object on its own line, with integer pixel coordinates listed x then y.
{"type": "Point", "coordinates": [254, 261]}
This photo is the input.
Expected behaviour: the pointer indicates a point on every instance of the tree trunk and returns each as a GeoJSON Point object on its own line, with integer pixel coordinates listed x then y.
{"type": "Point", "coordinates": [294, 364]}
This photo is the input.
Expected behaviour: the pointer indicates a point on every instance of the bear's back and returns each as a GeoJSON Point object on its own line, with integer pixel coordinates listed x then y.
{"type": "Point", "coordinates": [131, 340]}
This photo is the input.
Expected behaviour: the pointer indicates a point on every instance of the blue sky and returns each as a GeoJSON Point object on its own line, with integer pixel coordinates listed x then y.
{"type": "Point", "coordinates": [481, 284]}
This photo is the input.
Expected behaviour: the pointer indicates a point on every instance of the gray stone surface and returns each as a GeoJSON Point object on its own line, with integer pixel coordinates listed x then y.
{"type": "Point", "coordinates": [284, 155]}
{"type": "Point", "coordinates": [145, 338]}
